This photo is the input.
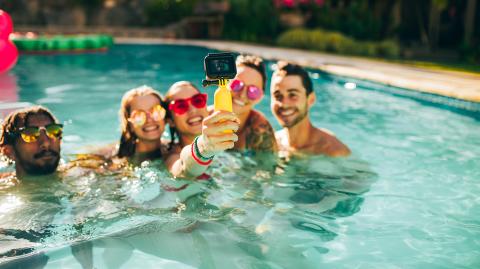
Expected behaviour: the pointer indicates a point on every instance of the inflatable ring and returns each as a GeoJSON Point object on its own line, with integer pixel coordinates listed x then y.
{"type": "Point", "coordinates": [8, 51]}
{"type": "Point", "coordinates": [60, 43]}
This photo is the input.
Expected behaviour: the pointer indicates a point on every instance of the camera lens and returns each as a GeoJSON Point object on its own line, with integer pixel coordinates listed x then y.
{"type": "Point", "coordinates": [220, 66]}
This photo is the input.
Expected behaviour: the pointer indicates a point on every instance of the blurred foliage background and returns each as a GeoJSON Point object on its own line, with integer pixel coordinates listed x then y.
{"type": "Point", "coordinates": [442, 30]}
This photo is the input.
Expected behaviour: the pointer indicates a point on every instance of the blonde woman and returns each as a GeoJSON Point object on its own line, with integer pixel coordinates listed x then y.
{"type": "Point", "coordinates": [142, 119]}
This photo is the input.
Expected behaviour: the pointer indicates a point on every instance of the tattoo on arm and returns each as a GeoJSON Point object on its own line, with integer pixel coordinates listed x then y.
{"type": "Point", "coordinates": [260, 136]}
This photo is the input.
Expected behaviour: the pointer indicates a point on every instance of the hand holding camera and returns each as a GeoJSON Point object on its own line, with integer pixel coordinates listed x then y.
{"type": "Point", "coordinates": [214, 139]}
{"type": "Point", "coordinates": [218, 128]}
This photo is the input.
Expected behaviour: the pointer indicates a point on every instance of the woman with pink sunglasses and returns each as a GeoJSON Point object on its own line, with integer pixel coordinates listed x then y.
{"type": "Point", "coordinates": [255, 132]}
{"type": "Point", "coordinates": [200, 135]}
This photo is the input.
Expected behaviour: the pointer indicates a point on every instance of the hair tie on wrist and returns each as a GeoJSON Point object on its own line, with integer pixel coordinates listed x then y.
{"type": "Point", "coordinates": [197, 151]}
{"type": "Point", "coordinates": [198, 160]}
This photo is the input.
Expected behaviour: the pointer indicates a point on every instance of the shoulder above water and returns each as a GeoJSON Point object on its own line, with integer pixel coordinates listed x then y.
{"type": "Point", "coordinates": [322, 142]}
{"type": "Point", "coordinates": [330, 145]}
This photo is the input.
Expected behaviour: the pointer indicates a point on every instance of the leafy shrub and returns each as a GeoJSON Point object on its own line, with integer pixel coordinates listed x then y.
{"type": "Point", "coordinates": [355, 19]}
{"type": "Point", "coordinates": [338, 43]}
{"type": "Point", "coordinates": [315, 40]}
{"type": "Point", "coordinates": [388, 49]}
{"type": "Point", "coordinates": [335, 42]}
{"type": "Point", "coordinates": [251, 20]}
{"type": "Point", "coordinates": [296, 38]}
{"type": "Point", "coordinates": [470, 53]}
{"type": "Point", "coordinates": [368, 49]}
{"type": "Point", "coordinates": [164, 12]}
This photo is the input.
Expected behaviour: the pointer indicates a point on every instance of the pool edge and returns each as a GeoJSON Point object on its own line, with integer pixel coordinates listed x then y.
{"type": "Point", "coordinates": [444, 83]}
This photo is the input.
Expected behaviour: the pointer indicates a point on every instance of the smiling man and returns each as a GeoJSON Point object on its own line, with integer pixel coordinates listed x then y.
{"type": "Point", "coordinates": [31, 138]}
{"type": "Point", "coordinates": [292, 97]}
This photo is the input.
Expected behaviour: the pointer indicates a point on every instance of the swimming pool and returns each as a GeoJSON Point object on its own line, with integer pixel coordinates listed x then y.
{"type": "Point", "coordinates": [408, 198]}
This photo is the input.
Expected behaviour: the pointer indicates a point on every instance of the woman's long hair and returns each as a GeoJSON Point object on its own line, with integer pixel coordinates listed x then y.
{"type": "Point", "coordinates": [128, 140]}
{"type": "Point", "coordinates": [174, 134]}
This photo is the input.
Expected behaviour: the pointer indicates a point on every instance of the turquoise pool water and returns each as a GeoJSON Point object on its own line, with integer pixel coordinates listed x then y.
{"type": "Point", "coordinates": [408, 198]}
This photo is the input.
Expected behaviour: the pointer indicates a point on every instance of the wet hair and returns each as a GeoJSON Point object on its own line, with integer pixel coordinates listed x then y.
{"type": "Point", "coordinates": [18, 119]}
{"type": "Point", "coordinates": [174, 134]}
{"type": "Point", "coordinates": [128, 139]}
{"type": "Point", "coordinates": [289, 69]}
{"type": "Point", "coordinates": [254, 62]}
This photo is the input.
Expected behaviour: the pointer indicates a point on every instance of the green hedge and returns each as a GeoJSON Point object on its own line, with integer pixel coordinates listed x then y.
{"type": "Point", "coordinates": [470, 53]}
{"type": "Point", "coordinates": [164, 12]}
{"type": "Point", "coordinates": [335, 42]}
{"type": "Point", "coordinates": [251, 21]}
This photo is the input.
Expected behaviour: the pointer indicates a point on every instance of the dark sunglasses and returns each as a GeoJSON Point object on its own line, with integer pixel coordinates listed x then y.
{"type": "Point", "coordinates": [181, 106]}
{"type": "Point", "coordinates": [32, 133]}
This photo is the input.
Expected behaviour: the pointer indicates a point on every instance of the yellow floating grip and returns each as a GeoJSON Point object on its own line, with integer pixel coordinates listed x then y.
{"type": "Point", "coordinates": [223, 99]}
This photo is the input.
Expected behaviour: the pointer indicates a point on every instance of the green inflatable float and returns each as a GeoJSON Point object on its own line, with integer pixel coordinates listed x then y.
{"type": "Point", "coordinates": [63, 43]}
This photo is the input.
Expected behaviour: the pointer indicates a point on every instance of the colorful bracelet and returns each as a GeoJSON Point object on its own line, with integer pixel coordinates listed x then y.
{"type": "Point", "coordinates": [197, 159]}
{"type": "Point", "coordinates": [197, 151]}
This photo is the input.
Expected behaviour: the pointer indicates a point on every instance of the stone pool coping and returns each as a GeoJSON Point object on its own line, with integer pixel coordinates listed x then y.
{"type": "Point", "coordinates": [459, 85]}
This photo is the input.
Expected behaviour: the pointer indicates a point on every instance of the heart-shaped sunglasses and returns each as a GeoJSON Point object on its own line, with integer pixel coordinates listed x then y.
{"type": "Point", "coordinates": [253, 92]}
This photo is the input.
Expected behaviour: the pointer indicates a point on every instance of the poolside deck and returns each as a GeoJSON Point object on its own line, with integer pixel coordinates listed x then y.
{"type": "Point", "coordinates": [464, 86]}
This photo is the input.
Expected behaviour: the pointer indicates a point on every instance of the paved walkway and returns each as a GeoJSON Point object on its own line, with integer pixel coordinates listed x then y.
{"type": "Point", "coordinates": [459, 85]}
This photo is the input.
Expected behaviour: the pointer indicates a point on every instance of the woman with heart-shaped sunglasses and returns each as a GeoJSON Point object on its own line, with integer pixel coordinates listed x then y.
{"type": "Point", "coordinates": [255, 132]}
{"type": "Point", "coordinates": [196, 135]}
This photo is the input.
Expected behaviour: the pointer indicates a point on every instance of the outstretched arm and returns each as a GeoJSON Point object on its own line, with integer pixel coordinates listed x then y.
{"type": "Point", "coordinates": [193, 159]}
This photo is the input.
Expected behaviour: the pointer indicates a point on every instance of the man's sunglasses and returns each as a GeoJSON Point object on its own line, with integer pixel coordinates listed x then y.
{"type": "Point", "coordinates": [32, 133]}
{"type": "Point", "coordinates": [181, 106]}
{"type": "Point", "coordinates": [253, 92]}
{"type": "Point", "coordinates": [139, 117]}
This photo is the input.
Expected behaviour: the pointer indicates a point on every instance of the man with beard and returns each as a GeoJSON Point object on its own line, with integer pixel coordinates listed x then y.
{"type": "Point", "coordinates": [292, 97]}
{"type": "Point", "coordinates": [31, 138]}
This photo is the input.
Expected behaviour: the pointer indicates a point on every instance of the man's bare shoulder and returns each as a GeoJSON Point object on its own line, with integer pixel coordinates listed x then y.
{"type": "Point", "coordinates": [326, 142]}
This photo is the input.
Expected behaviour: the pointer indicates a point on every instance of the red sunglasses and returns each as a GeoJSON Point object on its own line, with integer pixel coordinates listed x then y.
{"type": "Point", "coordinates": [181, 106]}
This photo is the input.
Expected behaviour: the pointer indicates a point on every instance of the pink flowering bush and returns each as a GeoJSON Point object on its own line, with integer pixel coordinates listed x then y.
{"type": "Point", "coordinates": [292, 4]}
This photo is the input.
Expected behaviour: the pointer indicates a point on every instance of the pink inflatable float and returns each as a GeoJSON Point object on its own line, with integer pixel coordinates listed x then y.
{"type": "Point", "coordinates": [8, 51]}
{"type": "Point", "coordinates": [8, 89]}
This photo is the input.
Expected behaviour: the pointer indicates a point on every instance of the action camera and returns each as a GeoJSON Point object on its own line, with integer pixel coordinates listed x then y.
{"type": "Point", "coordinates": [219, 66]}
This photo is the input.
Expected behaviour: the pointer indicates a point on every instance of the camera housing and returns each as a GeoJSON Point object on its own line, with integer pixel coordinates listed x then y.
{"type": "Point", "coordinates": [220, 66]}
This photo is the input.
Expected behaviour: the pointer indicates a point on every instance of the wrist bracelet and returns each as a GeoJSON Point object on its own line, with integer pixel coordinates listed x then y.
{"type": "Point", "coordinates": [197, 159]}
{"type": "Point", "coordinates": [197, 151]}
